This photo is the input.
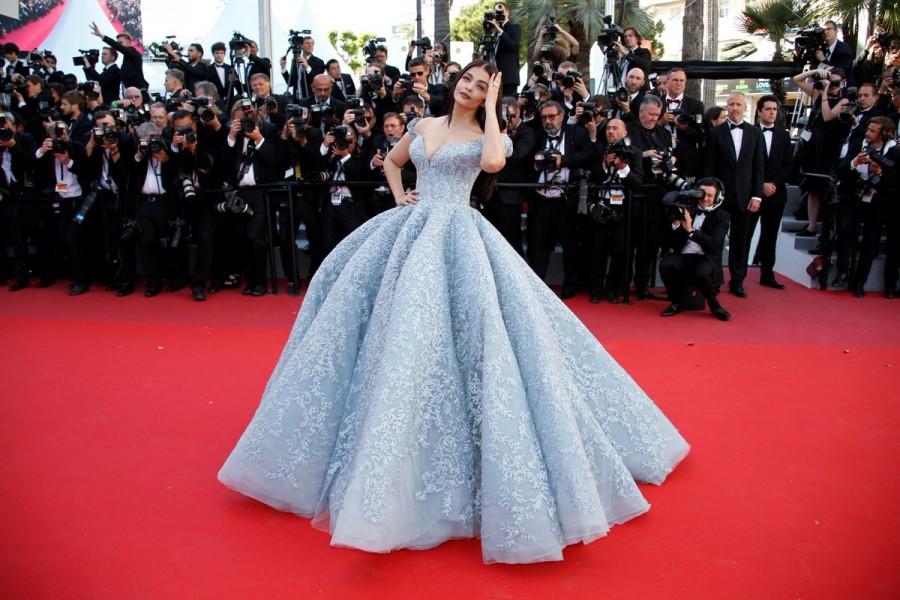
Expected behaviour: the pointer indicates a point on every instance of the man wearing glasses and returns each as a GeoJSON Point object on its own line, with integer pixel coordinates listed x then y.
{"type": "Point", "coordinates": [433, 95]}
{"type": "Point", "coordinates": [837, 53]}
{"type": "Point", "coordinates": [110, 78]}
{"type": "Point", "coordinates": [553, 211]}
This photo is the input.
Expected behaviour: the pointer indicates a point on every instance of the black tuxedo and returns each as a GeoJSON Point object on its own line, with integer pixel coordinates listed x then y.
{"type": "Point", "coordinates": [81, 128]}
{"type": "Point", "coordinates": [743, 179]}
{"type": "Point", "coordinates": [703, 270]}
{"type": "Point", "coordinates": [110, 80]}
{"type": "Point", "coordinates": [192, 73]}
{"type": "Point", "coordinates": [338, 108]}
{"type": "Point", "coordinates": [504, 210]}
{"type": "Point", "coordinates": [132, 69]}
{"type": "Point", "coordinates": [841, 56]}
{"type": "Point", "coordinates": [778, 164]}
{"type": "Point", "coordinates": [293, 76]}
{"type": "Point", "coordinates": [17, 210]}
{"type": "Point", "coordinates": [349, 89]}
{"type": "Point", "coordinates": [638, 58]}
{"type": "Point", "coordinates": [21, 160]}
{"type": "Point", "coordinates": [555, 219]}
{"type": "Point", "coordinates": [20, 67]}
{"type": "Point", "coordinates": [221, 83]}
{"type": "Point", "coordinates": [688, 147]}
{"type": "Point", "coordinates": [507, 56]}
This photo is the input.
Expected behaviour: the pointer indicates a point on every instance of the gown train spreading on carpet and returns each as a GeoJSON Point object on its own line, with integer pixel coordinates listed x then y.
{"type": "Point", "coordinates": [433, 387]}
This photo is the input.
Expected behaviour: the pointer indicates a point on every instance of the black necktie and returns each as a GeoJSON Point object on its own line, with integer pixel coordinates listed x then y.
{"type": "Point", "coordinates": [736, 125]}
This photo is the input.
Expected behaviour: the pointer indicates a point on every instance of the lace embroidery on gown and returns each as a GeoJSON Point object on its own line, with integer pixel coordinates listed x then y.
{"type": "Point", "coordinates": [433, 387]}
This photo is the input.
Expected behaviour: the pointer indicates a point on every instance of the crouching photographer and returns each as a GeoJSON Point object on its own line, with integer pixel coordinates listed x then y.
{"type": "Point", "coordinates": [253, 155]}
{"type": "Point", "coordinates": [699, 226]}
{"type": "Point", "coordinates": [619, 175]}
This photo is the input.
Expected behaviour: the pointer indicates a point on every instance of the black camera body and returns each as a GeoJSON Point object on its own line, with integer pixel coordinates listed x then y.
{"type": "Point", "coordinates": [621, 149]}
{"type": "Point", "coordinates": [666, 173]}
{"type": "Point", "coordinates": [190, 136]}
{"type": "Point", "coordinates": [571, 78]}
{"type": "Point", "coordinates": [106, 135]}
{"type": "Point", "coordinates": [342, 136]}
{"type": "Point", "coordinates": [609, 36]}
{"type": "Point", "coordinates": [807, 42]}
{"type": "Point", "coordinates": [588, 112]}
{"type": "Point", "coordinates": [238, 42]}
{"type": "Point", "coordinates": [497, 16]}
{"type": "Point", "coordinates": [371, 46]}
{"type": "Point", "coordinates": [234, 204]}
{"type": "Point", "coordinates": [93, 57]}
{"type": "Point", "coordinates": [621, 95]}
{"type": "Point", "coordinates": [372, 82]}
{"type": "Point", "coordinates": [151, 145]}
{"type": "Point", "coordinates": [677, 204]}
{"type": "Point", "coordinates": [422, 44]}
{"type": "Point", "coordinates": [295, 40]}
{"type": "Point", "coordinates": [6, 134]}
{"type": "Point", "coordinates": [545, 160]}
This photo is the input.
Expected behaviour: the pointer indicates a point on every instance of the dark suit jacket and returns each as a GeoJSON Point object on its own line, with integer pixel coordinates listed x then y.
{"type": "Point", "coordinates": [21, 161]}
{"type": "Point", "coordinates": [192, 73]}
{"type": "Point", "coordinates": [642, 139]}
{"type": "Point", "coordinates": [393, 74]}
{"type": "Point", "coordinates": [508, 52]}
{"type": "Point", "coordinates": [259, 65]}
{"type": "Point", "coordinates": [743, 178]}
{"type": "Point", "coordinates": [213, 76]}
{"type": "Point", "coordinates": [132, 70]}
{"type": "Point", "coordinates": [349, 88]}
{"type": "Point", "coordinates": [81, 129]}
{"type": "Point", "coordinates": [291, 76]}
{"type": "Point", "coordinates": [841, 56]}
{"type": "Point", "coordinates": [710, 236]}
{"type": "Point", "coordinates": [519, 166]}
{"type": "Point", "coordinates": [688, 149]}
{"type": "Point", "coordinates": [778, 163]}
{"type": "Point", "coordinates": [46, 168]}
{"type": "Point", "coordinates": [110, 80]}
{"type": "Point", "coordinates": [20, 67]}
{"type": "Point", "coordinates": [267, 164]}
{"type": "Point", "coordinates": [637, 58]}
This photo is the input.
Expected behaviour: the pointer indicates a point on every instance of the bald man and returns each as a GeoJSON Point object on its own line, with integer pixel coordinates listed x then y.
{"type": "Point", "coordinates": [321, 96]}
{"type": "Point", "coordinates": [736, 155]}
{"type": "Point", "coordinates": [634, 85]}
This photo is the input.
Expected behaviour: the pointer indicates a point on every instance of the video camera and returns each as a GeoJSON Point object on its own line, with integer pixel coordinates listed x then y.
{"type": "Point", "coordinates": [676, 204]}
{"type": "Point", "coordinates": [295, 40]}
{"type": "Point", "coordinates": [371, 46]}
{"type": "Point", "coordinates": [422, 44]}
{"type": "Point", "coordinates": [610, 35]}
{"type": "Point", "coordinates": [93, 57]}
{"type": "Point", "coordinates": [157, 52]}
{"type": "Point", "coordinates": [238, 42]}
{"type": "Point", "coordinates": [807, 42]}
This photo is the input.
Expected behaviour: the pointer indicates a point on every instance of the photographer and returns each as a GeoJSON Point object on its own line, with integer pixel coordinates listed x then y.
{"type": "Point", "coordinates": [62, 163]}
{"type": "Point", "coordinates": [93, 98]}
{"type": "Point", "coordinates": [343, 84]}
{"type": "Point", "coordinates": [254, 156]}
{"type": "Point", "coordinates": [271, 108]}
{"type": "Point", "coordinates": [302, 142]}
{"type": "Point", "coordinates": [628, 99]}
{"type": "Point", "coordinates": [152, 182]}
{"type": "Point", "coordinates": [373, 89]}
{"type": "Point", "coordinates": [631, 54]}
{"type": "Point", "coordinates": [110, 78]}
{"type": "Point", "coordinates": [324, 109]}
{"type": "Point", "coordinates": [34, 105]}
{"type": "Point", "coordinates": [174, 83]}
{"type": "Point", "coordinates": [867, 176]}
{"type": "Point", "coordinates": [553, 210]}
{"type": "Point", "coordinates": [344, 207]}
{"type": "Point", "coordinates": [14, 64]}
{"type": "Point", "coordinates": [380, 57]}
{"type": "Point", "coordinates": [869, 66]}
{"type": "Point", "coordinates": [506, 50]}
{"type": "Point", "coordinates": [308, 66]}
{"type": "Point", "coordinates": [836, 53]}
{"type": "Point", "coordinates": [655, 144]}
{"type": "Point", "coordinates": [570, 87]}
{"type": "Point", "coordinates": [504, 210]}
{"type": "Point", "coordinates": [393, 129]}
{"type": "Point", "coordinates": [132, 70]}
{"type": "Point", "coordinates": [107, 176]}
{"type": "Point", "coordinates": [433, 96]}
{"type": "Point", "coordinates": [16, 191]}
{"type": "Point", "coordinates": [552, 49]}
{"type": "Point", "coordinates": [594, 116]}
{"type": "Point", "coordinates": [680, 117]}
{"type": "Point", "coordinates": [193, 69]}
{"type": "Point", "coordinates": [620, 175]}
{"type": "Point", "coordinates": [698, 236]}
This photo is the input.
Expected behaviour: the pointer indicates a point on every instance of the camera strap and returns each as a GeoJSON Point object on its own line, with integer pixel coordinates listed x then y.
{"type": "Point", "coordinates": [246, 158]}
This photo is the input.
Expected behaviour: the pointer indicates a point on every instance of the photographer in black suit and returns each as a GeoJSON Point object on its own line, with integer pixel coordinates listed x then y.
{"type": "Point", "coordinates": [16, 158]}
{"type": "Point", "coordinates": [552, 214]}
{"type": "Point", "coordinates": [110, 78]}
{"type": "Point", "coordinates": [253, 154]}
{"type": "Point", "coordinates": [699, 226]}
{"type": "Point", "coordinates": [194, 69]}
{"type": "Point", "coordinates": [679, 118]}
{"type": "Point", "coordinates": [631, 54]}
{"type": "Point", "coordinates": [837, 53]}
{"type": "Point", "coordinates": [506, 52]}
{"type": "Point", "coordinates": [299, 80]}
{"type": "Point", "coordinates": [132, 64]}
{"type": "Point", "coordinates": [736, 155]}
{"type": "Point", "coordinates": [343, 83]}
{"type": "Point", "coordinates": [778, 164]}
{"type": "Point", "coordinates": [325, 109]}
{"type": "Point", "coordinates": [433, 95]}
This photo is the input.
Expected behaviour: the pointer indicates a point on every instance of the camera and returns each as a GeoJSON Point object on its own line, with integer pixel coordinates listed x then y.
{"type": "Point", "coordinates": [248, 125]}
{"type": "Point", "coordinates": [298, 117]}
{"type": "Point", "coordinates": [372, 82]}
{"type": "Point", "coordinates": [422, 44]}
{"type": "Point", "coordinates": [497, 16]}
{"type": "Point", "coordinates": [190, 136]}
{"type": "Point", "coordinates": [131, 230]}
{"type": "Point", "coordinates": [545, 160]}
{"type": "Point", "coordinates": [93, 57]}
{"type": "Point", "coordinates": [609, 36]}
{"type": "Point", "coordinates": [588, 111]}
{"type": "Point", "coordinates": [90, 90]}
{"type": "Point", "coordinates": [852, 95]}
{"type": "Point", "coordinates": [664, 170]}
{"type": "Point", "coordinates": [234, 204]}
{"type": "Point", "coordinates": [406, 83]}
{"type": "Point", "coordinates": [621, 149]}
{"type": "Point", "coordinates": [238, 42]}
{"type": "Point", "coordinates": [106, 135]}
{"type": "Point", "coordinates": [571, 78]}
{"type": "Point", "coordinates": [178, 227]}
{"type": "Point", "coordinates": [89, 200]}
{"type": "Point", "coordinates": [621, 95]}
{"type": "Point", "coordinates": [676, 204]}
{"type": "Point", "coordinates": [9, 88]}
{"type": "Point", "coordinates": [6, 134]}
{"type": "Point", "coordinates": [151, 145]}
{"type": "Point", "coordinates": [409, 116]}
{"type": "Point", "coordinates": [807, 42]}
{"type": "Point", "coordinates": [295, 40]}
{"type": "Point", "coordinates": [320, 112]}
{"type": "Point", "coordinates": [371, 46]}
{"type": "Point", "coordinates": [342, 136]}
{"type": "Point", "coordinates": [157, 51]}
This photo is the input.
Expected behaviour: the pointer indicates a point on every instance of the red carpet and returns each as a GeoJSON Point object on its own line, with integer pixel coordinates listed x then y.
{"type": "Point", "coordinates": [33, 34]}
{"type": "Point", "coordinates": [117, 414]}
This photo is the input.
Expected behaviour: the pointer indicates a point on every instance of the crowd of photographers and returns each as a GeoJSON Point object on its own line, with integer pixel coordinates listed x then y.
{"type": "Point", "coordinates": [101, 177]}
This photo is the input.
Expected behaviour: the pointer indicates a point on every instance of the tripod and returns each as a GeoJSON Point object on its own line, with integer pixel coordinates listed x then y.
{"type": "Point", "coordinates": [611, 72]}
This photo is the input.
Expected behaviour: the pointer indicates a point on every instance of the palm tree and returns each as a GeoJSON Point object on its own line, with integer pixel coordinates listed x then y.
{"type": "Point", "coordinates": [692, 39]}
{"type": "Point", "coordinates": [769, 21]}
{"type": "Point", "coordinates": [883, 12]}
{"type": "Point", "coordinates": [442, 20]}
{"type": "Point", "coordinates": [581, 18]}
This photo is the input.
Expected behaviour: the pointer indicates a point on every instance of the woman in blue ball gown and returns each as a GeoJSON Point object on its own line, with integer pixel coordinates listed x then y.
{"type": "Point", "coordinates": [433, 387]}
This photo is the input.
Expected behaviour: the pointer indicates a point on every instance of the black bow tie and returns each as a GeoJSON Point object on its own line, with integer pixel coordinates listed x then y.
{"type": "Point", "coordinates": [736, 125]}
{"type": "Point", "coordinates": [554, 138]}
{"type": "Point", "coordinates": [673, 101]}
{"type": "Point", "coordinates": [765, 129]}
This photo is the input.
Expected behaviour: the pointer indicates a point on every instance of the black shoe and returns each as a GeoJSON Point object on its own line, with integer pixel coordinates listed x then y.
{"type": "Point", "coordinates": [197, 293]}
{"type": "Point", "coordinates": [858, 291]}
{"type": "Point", "coordinates": [720, 313]}
{"type": "Point", "coordinates": [19, 284]}
{"type": "Point", "coordinates": [841, 280]}
{"type": "Point", "coordinates": [770, 281]}
{"type": "Point", "coordinates": [215, 287]}
{"type": "Point", "coordinates": [153, 289]}
{"type": "Point", "coordinates": [594, 299]}
{"type": "Point", "coordinates": [254, 290]}
{"type": "Point", "coordinates": [175, 286]}
{"type": "Point", "coordinates": [670, 310]}
{"type": "Point", "coordinates": [890, 294]}
{"type": "Point", "coordinates": [641, 294]}
{"type": "Point", "coordinates": [612, 298]}
{"type": "Point", "coordinates": [45, 282]}
{"type": "Point", "coordinates": [738, 290]}
{"type": "Point", "coordinates": [125, 289]}
{"type": "Point", "coordinates": [806, 233]}
{"type": "Point", "coordinates": [76, 289]}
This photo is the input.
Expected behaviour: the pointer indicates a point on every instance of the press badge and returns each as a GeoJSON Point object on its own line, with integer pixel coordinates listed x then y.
{"type": "Point", "coordinates": [61, 187]}
{"type": "Point", "coordinates": [616, 197]}
{"type": "Point", "coordinates": [336, 198]}
{"type": "Point", "coordinates": [806, 135]}
{"type": "Point", "coordinates": [867, 197]}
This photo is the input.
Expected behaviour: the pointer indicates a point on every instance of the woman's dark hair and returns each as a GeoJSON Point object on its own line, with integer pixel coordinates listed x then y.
{"type": "Point", "coordinates": [485, 183]}
{"type": "Point", "coordinates": [712, 114]}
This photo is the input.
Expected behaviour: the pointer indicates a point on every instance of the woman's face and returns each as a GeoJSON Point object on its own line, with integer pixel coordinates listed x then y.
{"type": "Point", "coordinates": [471, 88]}
{"type": "Point", "coordinates": [721, 118]}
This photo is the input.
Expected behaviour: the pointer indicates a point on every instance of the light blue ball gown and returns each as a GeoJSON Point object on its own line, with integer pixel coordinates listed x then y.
{"type": "Point", "coordinates": [433, 387]}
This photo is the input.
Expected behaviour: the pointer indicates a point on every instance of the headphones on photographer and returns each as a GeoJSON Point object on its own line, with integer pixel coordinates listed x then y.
{"type": "Point", "coordinates": [720, 188]}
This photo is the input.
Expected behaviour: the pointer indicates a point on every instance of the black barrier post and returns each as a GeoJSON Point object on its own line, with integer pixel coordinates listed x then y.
{"type": "Point", "coordinates": [294, 279]}
{"type": "Point", "coordinates": [273, 271]}
{"type": "Point", "coordinates": [628, 270]}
